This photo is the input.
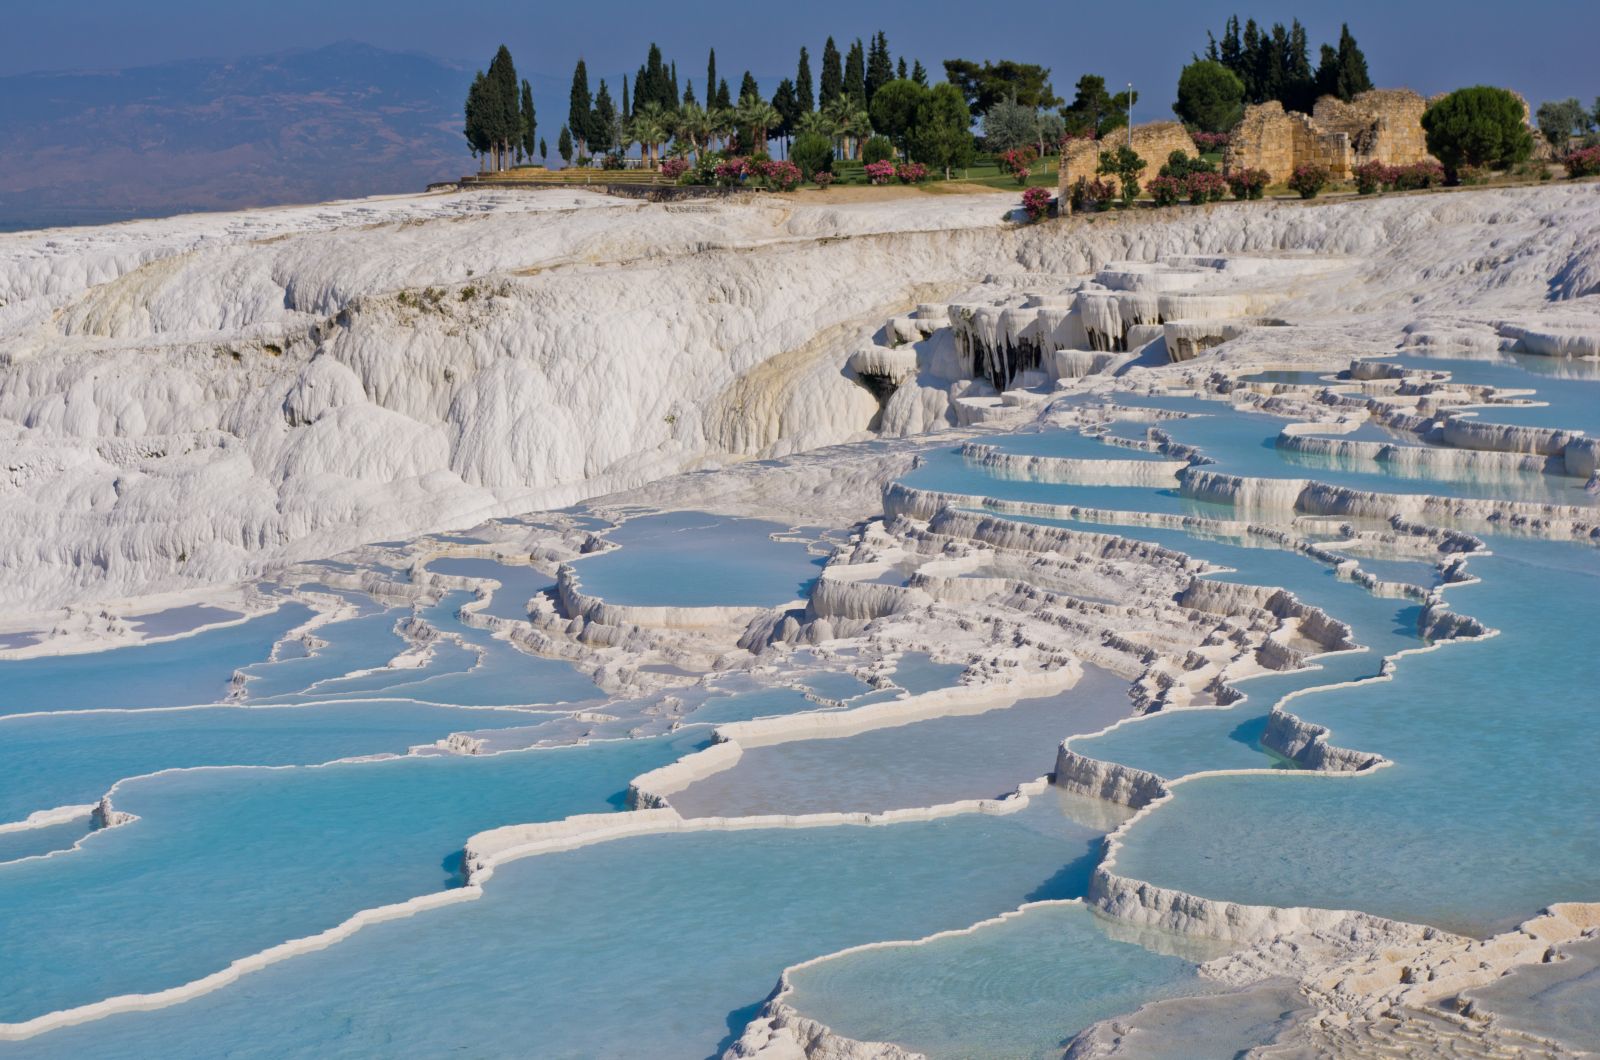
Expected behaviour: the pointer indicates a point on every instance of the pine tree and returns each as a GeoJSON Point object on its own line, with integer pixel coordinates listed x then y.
{"type": "Point", "coordinates": [900, 71]}
{"type": "Point", "coordinates": [918, 73]}
{"type": "Point", "coordinates": [724, 98]}
{"type": "Point", "coordinates": [805, 98]}
{"type": "Point", "coordinates": [578, 106]}
{"type": "Point", "coordinates": [880, 68]}
{"type": "Point", "coordinates": [688, 95]}
{"type": "Point", "coordinates": [711, 79]}
{"type": "Point", "coordinates": [855, 73]}
{"type": "Point", "coordinates": [832, 76]}
{"type": "Point", "coordinates": [748, 88]}
{"type": "Point", "coordinates": [1299, 84]}
{"type": "Point", "coordinates": [530, 121]}
{"type": "Point", "coordinates": [1250, 63]}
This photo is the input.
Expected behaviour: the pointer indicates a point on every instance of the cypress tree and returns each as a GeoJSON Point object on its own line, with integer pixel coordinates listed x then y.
{"type": "Point", "coordinates": [652, 84]}
{"type": "Point", "coordinates": [603, 122]}
{"type": "Point", "coordinates": [900, 72]}
{"type": "Point", "coordinates": [671, 102]}
{"type": "Point", "coordinates": [564, 145]}
{"type": "Point", "coordinates": [748, 88]}
{"type": "Point", "coordinates": [578, 106]}
{"type": "Point", "coordinates": [832, 75]}
{"type": "Point", "coordinates": [1299, 85]}
{"type": "Point", "coordinates": [626, 113]}
{"type": "Point", "coordinates": [711, 79]}
{"type": "Point", "coordinates": [1250, 62]}
{"type": "Point", "coordinates": [688, 94]}
{"type": "Point", "coordinates": [805, 98]}
{"type": "Point", "coordinates": [504, 123]}
{"type": "Point", "coordinates": [530, 121]}
{"type": "Point", "coordinates": [544, 151]}
{"type": "Point", "coordinates": [918, 73]}
{"type": "Point", "coordinates": [855, 73]}
{"type": "Point", "coordinates": [787, 104]}
{"type": "Point", "coordinates": [724, 100]}
{"type": "Point", "coordinates": [880, 68]}
{"type": "Point", "coordinates": [475, 128]}
{"type": "Point", "coordinates": [1353, 78]}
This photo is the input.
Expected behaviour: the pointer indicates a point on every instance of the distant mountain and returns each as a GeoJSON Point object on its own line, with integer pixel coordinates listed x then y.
{"type": "Point", "coordinates": [303, 126]}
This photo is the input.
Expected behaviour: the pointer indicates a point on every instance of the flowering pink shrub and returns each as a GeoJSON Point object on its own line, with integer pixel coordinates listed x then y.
{"type": "Point", "coordinates": [1208, 142]}
{"type": "Point", "coordinates": [1416, 175]}
{"type": "Point", "coordinates": [1016, 159]}
{"type": "Point", "coordinates": [732, 170]}
{"type": "Point", "coordinates": [1166, 191]}
{"type": "Point", "coordinates": [1205, 187]}
{"type": "Point", "coordinates": [911, 172]}
{"type": "Point", "coordinates": [1021, 176]}
{"type": "Point", "coordinates": [781, 175]}
{"type": "Point", "coordinates": [1372, 176]}
{"type": "Point", "coordinates": [1308, 180]}
{"type": "Point", "coordinates": [1036, 203]}
{"type": "Point", "coordinates": [822, 178]}
{"type": "Point", "coordinates": [879, 172]}
{"type": "Point", "coordinates": [1092, 194]}
{"type": "Point", "coordinates": [673, 168]}
{"type": "Point", "coordinates": [1248, 183]}
{"type": "Point", "coordinates": [1584, 162]}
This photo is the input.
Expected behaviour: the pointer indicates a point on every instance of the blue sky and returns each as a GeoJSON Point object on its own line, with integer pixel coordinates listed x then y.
{"type": "Point", "coordinates": [1542, 48]}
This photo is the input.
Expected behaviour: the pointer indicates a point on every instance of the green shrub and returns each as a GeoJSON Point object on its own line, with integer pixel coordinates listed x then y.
{"type": "Point", "coordinates": [813, 153]}
{"type": "Point", "coordinates": [1477, 127]}
{"type": "Point", "coordinates": [877, 149]}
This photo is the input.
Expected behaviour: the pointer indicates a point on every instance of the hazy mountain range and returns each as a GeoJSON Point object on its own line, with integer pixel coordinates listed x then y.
{"type": "Point", "coordinates": [304, 126]}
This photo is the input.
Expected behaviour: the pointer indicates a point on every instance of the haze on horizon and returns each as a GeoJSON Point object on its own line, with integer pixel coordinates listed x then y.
{"type": "Point", "coordinates": [185, 105]}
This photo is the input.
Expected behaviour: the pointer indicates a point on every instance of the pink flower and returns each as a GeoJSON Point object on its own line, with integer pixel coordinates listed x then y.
{"type": "Point", "coordinates": [1036, 202]}
{"type": "Point", "coordinates": [880, 172]}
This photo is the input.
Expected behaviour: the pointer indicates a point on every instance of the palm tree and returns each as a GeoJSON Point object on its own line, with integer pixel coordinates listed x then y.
{"type": "Point", "coordinates": [756, 117]}
{"type": "Point", "coordinates": [693, 125]}
{"type": "Point", "coordinates": [851, 124]}
{"type": "Point", "coordinates": [721, 119]}
{"type": "Point", "coordinates": [651, 129]}
{"type": "Point", "coordinates": [816, 121]}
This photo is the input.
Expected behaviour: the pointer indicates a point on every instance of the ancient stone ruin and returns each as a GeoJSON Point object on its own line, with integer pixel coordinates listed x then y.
{"type": "Point", "coordinates": [1152, 142]}
{"type": "Point", "coordinates": [1383, 125]}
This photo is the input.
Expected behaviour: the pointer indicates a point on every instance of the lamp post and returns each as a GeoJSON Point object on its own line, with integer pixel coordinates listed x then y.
{"type": "Point", "coordinates": [1130, 115]}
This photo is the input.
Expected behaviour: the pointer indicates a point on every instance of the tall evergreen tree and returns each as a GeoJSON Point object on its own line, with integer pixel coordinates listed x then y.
{"type": "Point", "coordinates": [804, 97]}
{"type": "Point", "coordinates": [544, 150]}
{"type": "Point", "coordinates": [724, 97]}
{"type": "Point", "coordinates": [626, 113]}
{"type": "Point", "coordinates": [672, 95]}
{"type": "Point", "coordinates": [900, 71]}
{"type": "Point", "coordinates": [711, 80]}
{"type": "Point", "coordinates": [787, 104]}
{"type": "Point", "coordinates": [1299, 84]}
{"type": "Point", "coordinates": [748, 88]}
{"type": "Point", "coordinates": [880, 68]}
{"type": "Point", "coordinates": [476, 125]}
{"type": "Point", "coordinates": [603, 121]}
{"type": "Point", "coordinates": [919, 73]}
{"type": "Point", "coordinates": [855, 73]}
{"type": "Point", "coordinates": [688, 95]}
{"type": "Point", "coordinates": [832, 75]}
{"type": "Point", "coordinates": [530, 121]}
{"type": "Point", "coordinates": [1249, 62]}
{"type": "Point", "coordinates": [564, 145]}
{"type": "Point", "coordinates": [579, 103]}
{"type": "Point", "coordinates": [505, 116]}
{"type": "Point", "coordinates": [1353, 77]}
{"type": "Point", "coordinates": [654, 85]}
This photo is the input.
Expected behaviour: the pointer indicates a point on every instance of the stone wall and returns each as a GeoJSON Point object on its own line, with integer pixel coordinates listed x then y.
{"type": "Point", "coordinates": [1152, 142]}
{"type": "Point", "coordinates": [1383, 125]}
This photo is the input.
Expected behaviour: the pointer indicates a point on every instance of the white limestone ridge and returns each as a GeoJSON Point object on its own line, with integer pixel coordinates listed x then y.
{"type": "Point", "coordinates": [196, 400]}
